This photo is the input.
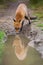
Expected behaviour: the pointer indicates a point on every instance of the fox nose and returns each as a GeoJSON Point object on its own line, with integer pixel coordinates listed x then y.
{"type": "Point", "coordinates": [17, 28]}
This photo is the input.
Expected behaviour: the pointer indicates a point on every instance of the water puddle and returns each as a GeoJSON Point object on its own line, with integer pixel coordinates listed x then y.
{"type": "Point", "coordinates": [17, 52]}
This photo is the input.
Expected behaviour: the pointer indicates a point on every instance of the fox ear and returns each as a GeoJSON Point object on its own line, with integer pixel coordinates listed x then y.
{"type": "Point", "coordinates": [14, 20]}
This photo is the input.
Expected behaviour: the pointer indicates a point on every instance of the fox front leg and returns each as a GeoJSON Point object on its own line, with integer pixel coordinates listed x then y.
{"type": "Point", "coordinates": [26, 17]}
{"type": "Point", "coordinates": [22, 25]}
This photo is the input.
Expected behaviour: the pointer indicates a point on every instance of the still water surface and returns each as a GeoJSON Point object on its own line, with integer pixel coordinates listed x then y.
{"type": "Point", "coordinates": [10, 58]}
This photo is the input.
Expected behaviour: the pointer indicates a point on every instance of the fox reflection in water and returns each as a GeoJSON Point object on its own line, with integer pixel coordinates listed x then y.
{"type": "Point", "coordinates": [20, 48]}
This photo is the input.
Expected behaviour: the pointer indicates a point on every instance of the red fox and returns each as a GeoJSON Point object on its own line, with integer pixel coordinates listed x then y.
{"type": "Point", "coordinates": [20, 14]}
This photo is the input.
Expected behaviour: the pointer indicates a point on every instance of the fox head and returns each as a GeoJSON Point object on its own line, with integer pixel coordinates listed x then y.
{"type": "Point", "coordinates": [18, 21]}
{"type": "Point", "coordinates": [17, 25]}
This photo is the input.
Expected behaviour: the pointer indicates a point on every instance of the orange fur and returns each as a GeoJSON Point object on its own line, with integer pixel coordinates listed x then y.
{"type": "Point", "coordinates": [20, 15]}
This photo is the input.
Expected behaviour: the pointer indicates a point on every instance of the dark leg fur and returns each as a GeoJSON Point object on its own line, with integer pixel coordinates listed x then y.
{"type": "Point", "coordinates": [27, 19]}
{"type": "Point", "coordinates": [22, 25]}
{"type": "Point", "coordinates": [29, 22]}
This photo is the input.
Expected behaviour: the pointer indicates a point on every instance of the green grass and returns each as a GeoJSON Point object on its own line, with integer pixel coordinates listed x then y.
{"type": "Point", "coordinates": [1, 52]}
{"type": "Point", "coordinates": [38, 11]}
{"type": "Point", "coordinates": [2, 34]}
{"type": "Point", "coordinates": [38, 14]}
{"type": "Point", "coordinates": [36, 5]}
{"type": "Point", "coordinates": [3, 6]}
{"type": "Point", "coordinates": [40, 25]}
{"type": "Point", "coordinates": [13, 0]}
{"type": "Point", "coordinates": [6, 4]}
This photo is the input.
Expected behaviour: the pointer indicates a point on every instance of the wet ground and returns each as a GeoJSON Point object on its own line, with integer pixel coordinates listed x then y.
{"type": "Point", "coordinates": [10, 58]}
{"type": "Point", "coordinates": [31, 35]}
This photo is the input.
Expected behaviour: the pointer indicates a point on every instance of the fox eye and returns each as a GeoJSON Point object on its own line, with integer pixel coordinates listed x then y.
{"type": "Point", "coordinates": [14, 20]}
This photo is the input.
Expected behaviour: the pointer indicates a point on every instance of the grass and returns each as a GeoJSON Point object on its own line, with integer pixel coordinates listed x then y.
{"type": "Point", "coordinates": [38, 14]}
{"type": "Point", "coordinates": [1, 52]}
{"type": "Point", "coordinates": [38, 10]}
{"type": "Point", "coordinates": [2, 34]}
{"type": "Point", "coordinates": [3, 6]}
{"type": "Point", "coordinates": [6, 4]}
{"type": "Point", "coordinates": [40, 25]}
{"type": "Point", "coordinates": [13, 0]}
{"type": "Point", "coordinates": [34, 6]}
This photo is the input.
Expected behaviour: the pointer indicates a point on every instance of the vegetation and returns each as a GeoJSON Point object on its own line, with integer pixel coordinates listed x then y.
{"type": "Point", "coordinates": [2, 34]}
{"type": "Point", "coordinates": [40, 25]}
{"type": "Point", "coordinates": [1, 52]}
{"type": "Point", "coordinates": [36, 3]}
{"type": "Point", "coordinates": [33, 3]}
{"type": "Point", "coordinates": [5, 1]}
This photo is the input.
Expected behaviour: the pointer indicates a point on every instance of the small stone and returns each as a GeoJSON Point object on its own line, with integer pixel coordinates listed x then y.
{"type": "Point", "coordinates": [37, 41]}
{"type": "Point", "coordinates": [31, 43]}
